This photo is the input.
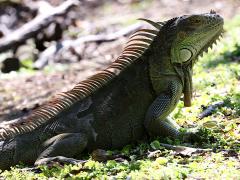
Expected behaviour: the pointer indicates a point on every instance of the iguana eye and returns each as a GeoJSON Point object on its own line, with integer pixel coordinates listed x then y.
{"type": "Point", "coordinates": [185, 54]}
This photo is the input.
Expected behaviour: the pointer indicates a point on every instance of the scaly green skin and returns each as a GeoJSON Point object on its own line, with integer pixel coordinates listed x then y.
{"type": "Point", "coordinates": [134, 103]}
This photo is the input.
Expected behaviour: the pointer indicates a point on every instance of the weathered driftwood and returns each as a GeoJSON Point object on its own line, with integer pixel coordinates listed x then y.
{"type": "Point", "coordinates": [48, 54]}
{"type": "Point", "coordinates": [30, 29]}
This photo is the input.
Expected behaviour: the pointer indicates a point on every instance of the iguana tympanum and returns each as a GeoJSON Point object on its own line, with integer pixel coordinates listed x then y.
{"type": "Point", "coordinates": [127, 101]}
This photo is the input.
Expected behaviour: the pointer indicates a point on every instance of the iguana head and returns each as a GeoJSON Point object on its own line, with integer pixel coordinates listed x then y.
{"type": "Point", "coordinates": [194, 35]}
{"type": "Point", "coordinates": [189, 36]}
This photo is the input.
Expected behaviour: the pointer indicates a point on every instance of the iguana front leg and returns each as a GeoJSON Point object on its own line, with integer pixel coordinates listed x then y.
{"type": "Point", "coordinates": [67, 144]}
{"type": "Point", "coordinates": [157, 121]}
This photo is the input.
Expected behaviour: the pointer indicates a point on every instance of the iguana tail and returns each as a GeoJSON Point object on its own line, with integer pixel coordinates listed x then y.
{"type": "Point", "coordinates": [7, 153]}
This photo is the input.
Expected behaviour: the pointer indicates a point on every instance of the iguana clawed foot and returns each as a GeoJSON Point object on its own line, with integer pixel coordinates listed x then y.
{"type": "Point", "coordinates": [97, 155]}
{"type": "Point", "coordinates": [58, 159]}
{"type": "Point", "coordinates": [191, 135]}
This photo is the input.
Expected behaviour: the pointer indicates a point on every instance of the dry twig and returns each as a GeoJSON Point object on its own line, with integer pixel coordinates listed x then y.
{"type": "Point", "coordinates": [33, 27]}
{"type": "Point", "coordinates": [65, 45]}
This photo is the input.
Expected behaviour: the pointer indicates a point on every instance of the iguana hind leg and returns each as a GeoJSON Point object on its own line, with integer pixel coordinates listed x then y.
{"type": "Point", "coordinates": [67, 144]}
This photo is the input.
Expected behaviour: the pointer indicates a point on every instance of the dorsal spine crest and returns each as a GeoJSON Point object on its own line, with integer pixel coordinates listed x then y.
{"type": "Point", "coordinates": [138, 43]}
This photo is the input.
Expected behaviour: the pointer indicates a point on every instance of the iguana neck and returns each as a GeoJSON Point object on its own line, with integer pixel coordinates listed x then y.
{"type": "Point", "coordinates": [165, 68]}
{"type": "Point", "coordinates": [159, 58]}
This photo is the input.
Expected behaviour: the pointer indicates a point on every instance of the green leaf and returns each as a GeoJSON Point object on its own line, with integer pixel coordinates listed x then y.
{"type": "Point", "coordinates": [210, 124]}
{"type": "Point", "coordinates": [162, 160]}
{"type": "Point", "coordinates": [156, 145]}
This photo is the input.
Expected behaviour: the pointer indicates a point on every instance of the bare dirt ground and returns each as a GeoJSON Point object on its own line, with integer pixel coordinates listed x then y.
{"type": "Point", "coordinates": [22, 92]}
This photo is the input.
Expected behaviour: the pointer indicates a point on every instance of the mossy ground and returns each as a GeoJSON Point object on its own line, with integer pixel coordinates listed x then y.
{"type": "Point", "coordinates": [216, 78]}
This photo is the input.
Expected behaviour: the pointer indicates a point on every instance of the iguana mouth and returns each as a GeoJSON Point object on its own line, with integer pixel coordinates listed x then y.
{"type": "Point", "coordinates": [211, 42]}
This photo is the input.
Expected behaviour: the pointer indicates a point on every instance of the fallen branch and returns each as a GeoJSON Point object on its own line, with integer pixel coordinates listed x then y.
{"type": "Point", "coordinates": [188, 151]}
{"type": "Point", "coordinates": [209, 110]}
{"type": "Point", "coordinates": [184, 150]}
{"type": "Point", "coordinates": [48, 54]}
{"type": "Point", "coordinates": [33, 27]}
{"type": "Point", "coordinates": [178, 150]}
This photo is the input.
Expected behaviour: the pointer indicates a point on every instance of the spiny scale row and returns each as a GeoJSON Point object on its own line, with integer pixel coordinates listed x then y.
{"type": "Point", "coordinates": [214, 41]}
{"type": "Point", "coordinates": [135, 47]}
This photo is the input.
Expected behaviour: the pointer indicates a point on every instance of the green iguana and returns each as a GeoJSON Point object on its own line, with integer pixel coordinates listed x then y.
{"type": "Point", "coordinates": [126, 102]}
